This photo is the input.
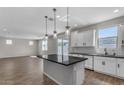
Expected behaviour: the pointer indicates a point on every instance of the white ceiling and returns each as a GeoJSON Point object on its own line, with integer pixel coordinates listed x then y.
{"type": "Point", "coordinates": [24, 22]}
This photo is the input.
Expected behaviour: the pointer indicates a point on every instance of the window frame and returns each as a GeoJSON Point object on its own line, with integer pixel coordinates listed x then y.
{"type": "Point", "coordinates": [97, 36]}
{"type": "Point", "coordinates": [9, 41]}
{"type": "Point", "coordinates": [45, 49]}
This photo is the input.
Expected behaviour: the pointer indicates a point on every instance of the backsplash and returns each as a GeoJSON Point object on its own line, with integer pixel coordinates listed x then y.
{"type": "Point", "coordinates": [83, 50]}
{"type": "Point", "coordinates": [94, 50]}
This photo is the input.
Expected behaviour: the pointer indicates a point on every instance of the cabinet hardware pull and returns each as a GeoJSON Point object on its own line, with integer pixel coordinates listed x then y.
{"type": "Point", "coordinates": [122, 41]}
{"type": "Point", "coordinates": [118, 65]}
{"type": "Point", "coordinates": [103, 62]}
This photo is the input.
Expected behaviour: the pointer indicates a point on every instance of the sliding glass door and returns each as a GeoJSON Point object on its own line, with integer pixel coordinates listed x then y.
{"type": "Point", "coordinates": [63, 46]}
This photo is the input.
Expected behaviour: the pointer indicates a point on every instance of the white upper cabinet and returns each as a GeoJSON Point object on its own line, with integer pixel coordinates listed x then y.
{"type": "Point", "coordinates": [74, 39]}
{"type": "Point", "coordinates": [83, 39]}
{"type": "Point", "coordinates": [121, 35]}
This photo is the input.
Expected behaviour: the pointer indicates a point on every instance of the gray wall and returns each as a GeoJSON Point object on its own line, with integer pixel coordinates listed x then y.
{"type": "Point", "coordinates": [20, 47]}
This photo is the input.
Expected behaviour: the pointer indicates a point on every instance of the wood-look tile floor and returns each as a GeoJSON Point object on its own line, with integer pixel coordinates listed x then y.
{"type": "Point", "coordinates": [94, 78]}
{"type": "Point", "coordinates": [28, 71]}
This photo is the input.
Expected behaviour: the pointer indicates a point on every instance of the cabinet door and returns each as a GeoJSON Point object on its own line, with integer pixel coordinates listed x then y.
{"type": "Point", "coordinates": [89, 62]}
{"type": "Point", "coordinates": [105, 65]}
{"type": "Point", "coordinates": [120, 68]}
{"type": "Point", "coordinates": [88, 38]}
{"type": "Point", "coordinates": [110, 66]}
{"type": "Point", "coordinates": [121, 36]}
{"type": "Point", "coordinates": [98, 65]}
{"type": "Point", "coordinates": [74, 37]}
{"type": "Point", "coordinates": [80, 39]}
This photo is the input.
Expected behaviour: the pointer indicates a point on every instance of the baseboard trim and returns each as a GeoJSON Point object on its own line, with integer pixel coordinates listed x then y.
{"type": "Point", "coordinates": [14, 57]}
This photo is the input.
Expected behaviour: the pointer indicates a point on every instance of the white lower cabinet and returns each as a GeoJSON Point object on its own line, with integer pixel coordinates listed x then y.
{"type": "Point", "coordinates": [89, 62]}
{"type": "Point", "coordinates": [120, 68]}
{"type": "Point", "coordinates": [98, 65]}
{"type": "Point", "coordinates": [105, 65]}
{"type": "Point", "coordinates": [110, 66]}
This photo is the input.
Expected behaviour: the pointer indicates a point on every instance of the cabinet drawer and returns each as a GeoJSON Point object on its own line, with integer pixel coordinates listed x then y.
{"type": "Point", "coordinates": [104, 58]}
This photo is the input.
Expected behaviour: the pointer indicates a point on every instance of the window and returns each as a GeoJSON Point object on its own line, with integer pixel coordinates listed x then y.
{"type": "Point", "coordinates": [31, 43]}
{"type": "Point", "coordinates": [107, 38]}
{"type": "Point", "coordinates": [9, 42]}
{"type": "Point", "coordinates": [44, 45]}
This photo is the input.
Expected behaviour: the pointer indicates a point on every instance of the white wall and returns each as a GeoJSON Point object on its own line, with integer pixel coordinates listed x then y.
{"type": "Point", "coordinates": [52, 46]}
{"type": "Point", "coordinates": [20, 47]}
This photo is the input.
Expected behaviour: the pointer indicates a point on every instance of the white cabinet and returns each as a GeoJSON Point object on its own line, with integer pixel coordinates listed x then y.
{"type": "Point", "coordinates": [110, 66]}
{"type": "Point", "coordinates": [121, 35]}
{"type": "Point", "coordinates": [89, 62]}
{"type": "Point", "coordinates": [89, 38]}
{"type": "Point", "coordinates": [120, 68]}
{"type": "Point", "coordinates": [98, 65]}
{"type": "Point", "coordinates": [105, 65]}
{"type": "Point", "coordinates": [80, 39]}
{"type": "Point", "coordinates": [74, 39]}
{"type": "Point", "coordinates": [83, 38]}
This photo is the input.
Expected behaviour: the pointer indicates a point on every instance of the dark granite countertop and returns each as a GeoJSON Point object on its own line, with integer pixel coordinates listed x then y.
{"type": "Point", "coordinates": [62, 59]}
{"type": "Point", "coordinates": [97, 54]}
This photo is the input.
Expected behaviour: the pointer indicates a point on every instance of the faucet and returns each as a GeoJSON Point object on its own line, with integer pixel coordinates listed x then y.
{"type": "Point", "coordinates": [105, 50]}
{"type": "Point", "coordinates": [114, 53]}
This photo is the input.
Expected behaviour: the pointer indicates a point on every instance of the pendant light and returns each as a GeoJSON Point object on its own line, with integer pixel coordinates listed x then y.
{"type": "Point", "coordinates": [54, 32]}
{"type": "Point", "coordinates": [46, 35]}
{"type": "Point", "coordinates": [67, 25]}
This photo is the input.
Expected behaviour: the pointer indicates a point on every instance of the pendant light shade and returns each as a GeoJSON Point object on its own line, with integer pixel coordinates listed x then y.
{"type": "Point", "coordinates": [46, 35]}
{"type": "Point", "coordinates": [54, 32]}
{"type": "Point", "coordinates": [67, 25]}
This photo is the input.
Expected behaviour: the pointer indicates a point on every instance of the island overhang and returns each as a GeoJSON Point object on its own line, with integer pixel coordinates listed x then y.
{"type": "Point", "coordinates": [62, 59]}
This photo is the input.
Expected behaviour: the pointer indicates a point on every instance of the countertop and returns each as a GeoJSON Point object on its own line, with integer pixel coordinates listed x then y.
{"type": "Point", "coordinates": [62, 59]}
{"type": "Point", "coordinates": [97, 54]}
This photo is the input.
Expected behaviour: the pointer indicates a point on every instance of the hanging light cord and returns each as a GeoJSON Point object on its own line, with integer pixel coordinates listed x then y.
{"type": "Point", "coordinates": [46, 23]}
{"type": "Point", "coordinates": [54, 10]}
{"type": "Point", "coordinates": [67, 16]}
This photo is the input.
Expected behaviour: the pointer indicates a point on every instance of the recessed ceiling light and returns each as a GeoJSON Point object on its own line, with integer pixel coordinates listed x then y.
{"type": "Point", "coordinates": [116, 11]}
{"type": "Point", "coordinates": [58, 16]}
{"type": "Point", "coordinates": [4, 29]}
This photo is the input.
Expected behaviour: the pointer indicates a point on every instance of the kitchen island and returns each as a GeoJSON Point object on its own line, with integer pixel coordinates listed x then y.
{"type": "Point", "coordinates": [64, 69]}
